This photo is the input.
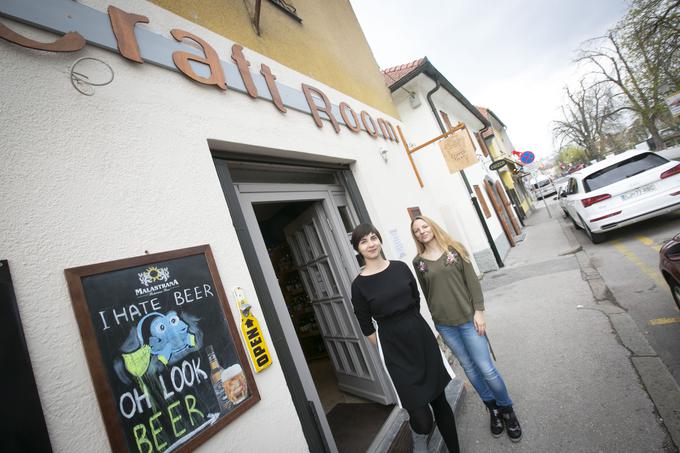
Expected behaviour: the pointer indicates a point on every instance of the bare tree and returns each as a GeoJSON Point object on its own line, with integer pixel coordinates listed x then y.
{"type": "Point", "coordinates": [639, 58]}
{"type": "Point", "coordinates": [657, 23]}
{"type": "Point", "coordinates": [588, 115]}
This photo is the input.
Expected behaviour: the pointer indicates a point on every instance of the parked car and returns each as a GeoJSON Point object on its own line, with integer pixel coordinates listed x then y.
{"type": "Point", "coordinates": [561, 196]}
{"type": "Point", "coordinates": [669, 263]}
{"type": "Point", "coordinates": [630, 187]}
{"type": "Point", "coordinates": [543, 187]}
{"type": "Point", "coordinates": [560, 182]}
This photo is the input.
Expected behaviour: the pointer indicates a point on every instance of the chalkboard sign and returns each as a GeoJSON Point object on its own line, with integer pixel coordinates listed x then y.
{"type": "Point", "coordinates": [163, 350]}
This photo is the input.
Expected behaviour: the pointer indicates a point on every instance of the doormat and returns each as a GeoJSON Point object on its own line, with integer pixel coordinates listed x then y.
{"type": "Point", "coordinates": [355, 425]}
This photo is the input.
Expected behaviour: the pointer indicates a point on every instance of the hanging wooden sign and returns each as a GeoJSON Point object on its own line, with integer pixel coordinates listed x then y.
{"type": "Point", "coordinates": [252, 334]}
{"type": "Point", "coordinates": [163, 350]}
{"type": "Point", "coordinates": [458, 151]}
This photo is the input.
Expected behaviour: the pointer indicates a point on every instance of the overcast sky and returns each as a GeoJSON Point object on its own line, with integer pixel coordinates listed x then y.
{"type": "Point", "coordinates": [512, 56]}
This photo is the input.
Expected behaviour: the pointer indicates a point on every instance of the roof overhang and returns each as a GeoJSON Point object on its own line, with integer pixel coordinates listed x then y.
{"type": "Point", "coordinates": [496, 117]}
{"type": "Point", "coordinates": [429, 70]}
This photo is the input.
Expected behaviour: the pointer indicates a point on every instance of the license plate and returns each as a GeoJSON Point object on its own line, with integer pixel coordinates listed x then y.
{"type": "Point", "coordinates": [639, 191]}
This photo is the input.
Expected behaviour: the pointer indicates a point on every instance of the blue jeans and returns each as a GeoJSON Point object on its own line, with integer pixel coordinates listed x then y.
{"type": "Point", "coordinates": [472, 352]}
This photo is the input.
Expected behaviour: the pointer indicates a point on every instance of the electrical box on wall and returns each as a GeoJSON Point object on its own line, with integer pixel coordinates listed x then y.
{"type": "Point", "coordinates": [414, 100]}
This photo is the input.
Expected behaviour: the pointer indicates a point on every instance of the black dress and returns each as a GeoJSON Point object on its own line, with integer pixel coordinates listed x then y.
{"type": "Point", "coordinates": [410, 350]}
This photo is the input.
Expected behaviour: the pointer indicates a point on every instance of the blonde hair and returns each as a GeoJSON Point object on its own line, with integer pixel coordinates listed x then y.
{"type": "Point", "coordinates": [441, 237]}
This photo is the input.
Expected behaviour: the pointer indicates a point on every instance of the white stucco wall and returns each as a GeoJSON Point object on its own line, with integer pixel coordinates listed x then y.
{"type": "Point", "coordinates": [448, 190]}
{"type": "Point", "coordinates": [501, 137]}
{"type": "Point", "coordinates": [128, 170]}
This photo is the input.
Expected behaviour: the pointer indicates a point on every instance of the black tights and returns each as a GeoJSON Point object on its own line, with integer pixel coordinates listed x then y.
{"type": "Point", "coordinates": [421, 421]}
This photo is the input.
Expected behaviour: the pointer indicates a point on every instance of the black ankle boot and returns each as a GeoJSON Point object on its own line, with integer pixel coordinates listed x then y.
{"type": "Point", "coordinates": [511, 423]}
{"type": "Point", "coordinates": [496, 421]}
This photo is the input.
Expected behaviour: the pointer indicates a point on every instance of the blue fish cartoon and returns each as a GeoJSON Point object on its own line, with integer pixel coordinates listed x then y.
{"type": "Point", "coordinates": [168, 335]}
{"type": "Point", "coordinates": [165, 336]}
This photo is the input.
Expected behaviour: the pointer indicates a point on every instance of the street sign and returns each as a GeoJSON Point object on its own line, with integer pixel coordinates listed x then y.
{"type": "Point", "coordinates": [527, 157]}
{"type": "Point", "coordinates": [497, 164]}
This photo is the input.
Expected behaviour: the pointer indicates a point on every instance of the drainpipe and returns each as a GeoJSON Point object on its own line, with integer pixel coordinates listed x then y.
{"type": "Point", "coordinates": [473, 198]}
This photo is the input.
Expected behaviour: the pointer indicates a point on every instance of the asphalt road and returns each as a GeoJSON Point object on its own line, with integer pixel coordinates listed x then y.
{"type": "Point", "coordinates": [628, 261]}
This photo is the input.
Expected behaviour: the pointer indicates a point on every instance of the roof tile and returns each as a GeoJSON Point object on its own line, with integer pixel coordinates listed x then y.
{"type": "Point", "coordinates": [394, 74]}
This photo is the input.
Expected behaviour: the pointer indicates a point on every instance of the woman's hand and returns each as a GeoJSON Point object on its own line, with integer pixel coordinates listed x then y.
{"type": "Point", "coordinates": [480, 324]}
{"type": "Point", "coordinates": [373, 339]}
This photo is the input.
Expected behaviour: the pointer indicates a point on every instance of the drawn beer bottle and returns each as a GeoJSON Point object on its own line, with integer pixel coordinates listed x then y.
{"type": "Point", "coordinates": [216, 378]}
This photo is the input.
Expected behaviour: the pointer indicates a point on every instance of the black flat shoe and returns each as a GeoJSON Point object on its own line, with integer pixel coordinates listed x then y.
{"type": "Point", "coordinates": [495, 419]}
{"type": "Point", "coordinates": [511, 423]}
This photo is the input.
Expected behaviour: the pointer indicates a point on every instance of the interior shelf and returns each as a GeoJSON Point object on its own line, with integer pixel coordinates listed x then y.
{"type": "Point", "coordinates": [299, 306]}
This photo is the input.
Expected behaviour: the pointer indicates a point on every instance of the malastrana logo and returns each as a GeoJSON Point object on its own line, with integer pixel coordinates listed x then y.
{"type": "Point", "coordinates": [154, 274]}
{"type": "Point", "coordinates": [156, 280]}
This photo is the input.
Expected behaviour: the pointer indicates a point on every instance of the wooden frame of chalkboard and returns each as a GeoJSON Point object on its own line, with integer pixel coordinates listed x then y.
{"type": "Point", "coordinates": [166, 360]}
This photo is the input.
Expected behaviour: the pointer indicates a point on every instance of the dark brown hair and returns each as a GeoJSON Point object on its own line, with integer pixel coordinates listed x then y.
{"type": "Point", "coordinates": [361, 231]}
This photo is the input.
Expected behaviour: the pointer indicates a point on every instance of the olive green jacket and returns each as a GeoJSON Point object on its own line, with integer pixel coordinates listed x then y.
{"type": "Point", "coordinates": [451, 288]}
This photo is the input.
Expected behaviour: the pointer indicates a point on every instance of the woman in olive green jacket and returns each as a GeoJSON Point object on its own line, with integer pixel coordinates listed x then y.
{"type": "Point", "coordinates": [454, 295]}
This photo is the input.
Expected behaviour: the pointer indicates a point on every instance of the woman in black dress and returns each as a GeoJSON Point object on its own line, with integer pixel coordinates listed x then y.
{"type": "Point", "coordinates": [386, 291]}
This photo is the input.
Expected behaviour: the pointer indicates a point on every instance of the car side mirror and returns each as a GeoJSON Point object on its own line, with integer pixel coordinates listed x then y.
{"type": "Point", "coordinates": [563, 195]}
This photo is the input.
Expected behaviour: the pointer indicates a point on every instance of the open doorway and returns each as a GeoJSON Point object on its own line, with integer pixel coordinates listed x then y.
{"type": "Point", "coordinates": [306, 266]}
{"type": "Point", "coordinates": [318, 205]}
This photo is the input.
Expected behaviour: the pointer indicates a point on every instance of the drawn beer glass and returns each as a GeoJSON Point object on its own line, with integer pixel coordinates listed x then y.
{"type": "Point", "coordinates": [235, 384]}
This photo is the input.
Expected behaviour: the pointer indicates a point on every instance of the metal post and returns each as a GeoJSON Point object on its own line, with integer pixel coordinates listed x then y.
{"type": "Point", "coordinates": [542, 197]}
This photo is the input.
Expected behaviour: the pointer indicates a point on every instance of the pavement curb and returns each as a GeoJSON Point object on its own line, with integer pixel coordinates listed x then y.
{"type": "Point", "coordinates": [656, 380]}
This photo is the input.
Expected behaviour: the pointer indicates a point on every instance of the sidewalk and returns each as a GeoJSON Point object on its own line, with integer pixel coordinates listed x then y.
{"type": "Point", "coordinates": [568, 366]}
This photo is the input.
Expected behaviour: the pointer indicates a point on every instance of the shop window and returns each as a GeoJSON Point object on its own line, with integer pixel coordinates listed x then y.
{"type": "Point", "coordinates": [348, 224]}
{"type": "Point", "coordinates": [345, 327]}
{"type": "Point", "coordinates": [348, 358]}
{"type": "Point", "coordinates": [446, 119]}
{"type": "Point", "coordinates": [282, 174]}
{"type": "Point", "coordinates": [317, 248]}
{"type": "Point", "coordinates": [254, 8]}
{"type": "Point", "coordinates": [414, 212]}
{"type": "Point", "coordinates": [335, 357]}
{"type": "Point", "coordinates": [329, 277]}
{"type": "Point", "coordinates": [346, 219]}
{"type": "Point", "coordinates": [482, 144]}
{"type": "Point", "coordinates": [360, 358]}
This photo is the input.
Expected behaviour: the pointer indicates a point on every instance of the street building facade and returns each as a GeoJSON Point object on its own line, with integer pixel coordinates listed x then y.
{"type": "Point", "coordinates": [467, 198]}
{"type": "Point", "coordinates": [179, 183]}
{"type": "Point", "coordinates": [512, 175]}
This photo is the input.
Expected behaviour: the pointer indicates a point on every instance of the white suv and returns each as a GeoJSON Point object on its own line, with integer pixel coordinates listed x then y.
{"type": "Point", "coordinates": [627, 188]}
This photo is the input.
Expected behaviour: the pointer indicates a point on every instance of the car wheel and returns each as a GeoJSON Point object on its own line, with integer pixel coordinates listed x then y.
{"type": "Point", "coordinates": [675, 290]}
{"type": "Point", "coordinates": [595, 238]}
